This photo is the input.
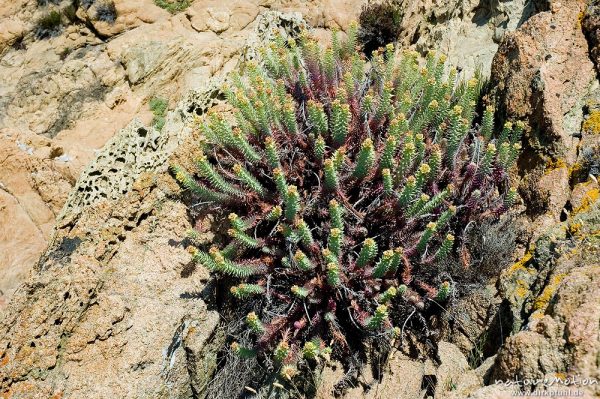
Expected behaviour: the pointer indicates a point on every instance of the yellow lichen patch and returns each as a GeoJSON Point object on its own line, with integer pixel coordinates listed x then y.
{"type": "Point", "coordinates": [552, 164]}
{"type": "Point", "coordinates": [536, 316]}
{"type": "Point", "coordinates": [561, 376]}
{"type": "Point", "coordinates": [592, 123]}
{"type": "Point", "coordinates": [542, 301]}
{"type": "Point", "coordinates": [575, 169]}
{"type": "Point", "coordinates": [580, 17]}
{"type": "Point", "coordinates": [522, 289]}
{"type": "Point", "coordinates": [574, 228]}
{"type": "Point", "coordinates": [590, 198]}
{"type": "Point", "coordinates": [520, 265]}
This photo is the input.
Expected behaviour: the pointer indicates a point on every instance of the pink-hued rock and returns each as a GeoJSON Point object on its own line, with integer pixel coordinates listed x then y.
{"type": "Point", "coordinates": [591, 28]}
{"type": "Point", "coordinates": [34, 184]}
{"type": "Point", "coordinates": [73, 92]}
{"type": "Point", "coordinates": [542, 74]}
{"type": "Point", "coordinates": [108, 316]}
{"type": "Point", "coordinates": [129, 15]}
{"type": "Point", "coordinates": [114, 307]}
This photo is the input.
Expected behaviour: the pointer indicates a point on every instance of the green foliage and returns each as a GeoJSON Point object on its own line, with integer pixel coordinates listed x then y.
{"type": "Point", "coordinates": [242, 352]}
{"type": "Point", "coordinates": [336, 214]}
{"type": "Point", "coordinates": [331, 175]}
{"type": "Point", "coordinates": [365, 159]}
{"type": "Point", "coordinates": [348, 188]}
{"type": "Point", "coordinates": [382, 267]}
{"type": "Point", "coordinates": [302, 261]}
{"type": "Point", "coordinates": [300, 292]}
{"type": "Point", "coordinates": [281, 351]}
{"type": "Point", "coordinates": [443, 292]}
{"type": "Point", "coordinates": [244, 291]}
{"type": "Point", "coordinates": [174, 6]}
{"type": "Point", "coordinates": [310, 350]}
{"type": "Point", "coordinates": [335, 241]}
{"type": "Point", "coordinates": [388, 295]}
{"type": "Point", "coordinates": [333, 274]}
{"type": "Point", "coordinates": [304, 233]}
{"type": "Point", "coordinates": [254, 323]}
{"type": "Point", "coordinates": [445, 248]}
{"type": "Point", "coordinates": [48, 25]}
{"type": "Point", "coordinates": [378, 319]}
{"type": "Point", "coordinates": [158, 106]}
{"type": "Point", "coordinates": [367, 253]}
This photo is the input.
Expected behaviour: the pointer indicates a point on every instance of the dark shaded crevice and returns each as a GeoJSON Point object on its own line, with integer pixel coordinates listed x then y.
{"type": "Point", "coordinates": [190, 361]}
{"type": "Point", "coordinates": [428, 384]}
{"type": "Point", "coordinates": [58, 252]}
{"type": "Point", "coordinates": [590, 26]}
{"type": "Point", "coordinates": [176, 341]}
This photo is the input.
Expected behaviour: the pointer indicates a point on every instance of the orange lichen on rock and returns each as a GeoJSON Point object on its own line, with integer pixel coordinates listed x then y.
{"type": "Point", "coordinates": [522, 289]}
{"type": "Point", "coordinates": [542, 300]}
{"type": "Point", "coordinates": [536, 316]}
{"type": "Point", "coordinates": [520, 265]}
{"type": "Point", "coordinates": [553, 164]}
{"type": "Point", "coordinates": [592, 123]}
{"type": "Point", "coordinates": [574, 228]}
{"type": "Point", "coordinates": [590, 197]}
{"type": "Point", "coordinates": [575, 169]}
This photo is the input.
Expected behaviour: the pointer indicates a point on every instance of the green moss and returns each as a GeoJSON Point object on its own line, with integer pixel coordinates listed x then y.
{"type": "Point", "coordinates": [174, 6]}
{"type": "Point", "coordinates": [158, 106]}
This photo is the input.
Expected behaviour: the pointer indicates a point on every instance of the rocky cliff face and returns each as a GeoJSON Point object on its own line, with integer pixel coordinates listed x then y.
{"type": "Point", "coordinates": [66, 93]}
{"type": "Point", "coordinates": [114, 308]}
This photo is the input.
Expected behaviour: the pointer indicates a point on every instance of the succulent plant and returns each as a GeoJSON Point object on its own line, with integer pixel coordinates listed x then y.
{"type": "Point", "coordinates": [345, 186]}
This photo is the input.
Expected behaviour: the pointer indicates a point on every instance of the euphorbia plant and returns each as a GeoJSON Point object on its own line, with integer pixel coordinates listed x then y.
{"type": "Point", "coordinates": [346, 186]}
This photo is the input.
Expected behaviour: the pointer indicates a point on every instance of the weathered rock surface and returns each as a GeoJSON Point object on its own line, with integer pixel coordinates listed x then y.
{"type": "Point", "coordinates": [559, 287]}
{"type": "Point", "coordinates": [468, 32]}
{"type": "Point", "coordinates": [591, 29]}
{"type": "Point", "coordinates": [34, 183]}
{"type": "Point", "coordinates": [113, 309]}
{"type": "Point", "coordinates": [543, 75]}
{"type": "Point", "coordinates": [90, 324]}
{"type": "Point", "coordinates": [79, 88]}
{"type": "Point", "coordinates": [92, 77]}
{"type": "Point", "coordinates": [404, 377]}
